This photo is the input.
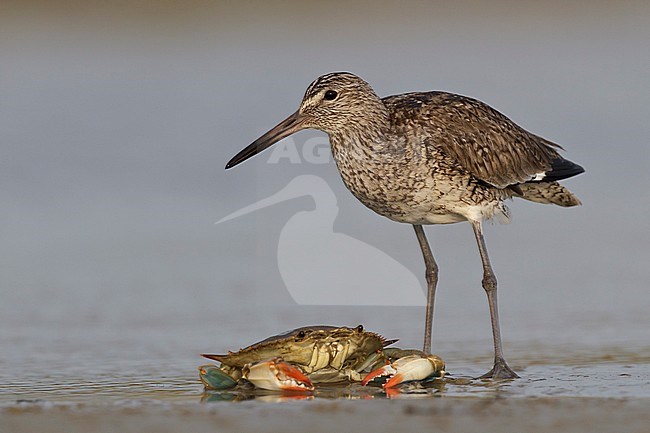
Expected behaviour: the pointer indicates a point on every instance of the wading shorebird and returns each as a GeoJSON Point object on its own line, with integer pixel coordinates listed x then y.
{"type": "Point", "coordinates": [429, 158]}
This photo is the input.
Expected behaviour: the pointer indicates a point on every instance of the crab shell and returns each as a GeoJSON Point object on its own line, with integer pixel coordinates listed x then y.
{"type": "Point", "coordinates": [312, 348]}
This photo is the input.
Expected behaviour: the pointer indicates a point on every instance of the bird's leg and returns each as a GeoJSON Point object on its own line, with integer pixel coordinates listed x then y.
{"type": "Point", "coordinates": [432, 280]}
{"type": "Point", "coordinates": [500, 369]}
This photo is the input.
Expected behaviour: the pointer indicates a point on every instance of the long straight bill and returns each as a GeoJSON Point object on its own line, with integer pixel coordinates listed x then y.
{"type": "Point", "coordinates": [284, 129]}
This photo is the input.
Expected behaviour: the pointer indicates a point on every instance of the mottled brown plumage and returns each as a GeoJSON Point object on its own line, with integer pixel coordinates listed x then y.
{"type": "Point", "coordinates": [429, 158]}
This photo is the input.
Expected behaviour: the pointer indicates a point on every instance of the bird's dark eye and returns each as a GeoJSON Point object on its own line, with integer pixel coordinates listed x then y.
{"type": "Point", "coordinates": [360, 328]}
{"type": "Point", "coordinates": [330, 95]}
{"type": "Point", "coordinates": [301, 334]}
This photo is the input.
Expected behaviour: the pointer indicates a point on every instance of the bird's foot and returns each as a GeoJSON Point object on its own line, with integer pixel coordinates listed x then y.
{"type": "Point", "coordinates": [500, 371]}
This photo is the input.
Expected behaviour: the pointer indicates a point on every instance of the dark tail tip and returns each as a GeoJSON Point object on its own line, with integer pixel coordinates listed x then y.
{"type": "Point", "coordinates": [561, 169]}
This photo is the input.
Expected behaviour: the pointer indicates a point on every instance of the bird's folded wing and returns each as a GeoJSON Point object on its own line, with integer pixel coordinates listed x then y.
{"type": "Point", "coordinates": [485, 142]}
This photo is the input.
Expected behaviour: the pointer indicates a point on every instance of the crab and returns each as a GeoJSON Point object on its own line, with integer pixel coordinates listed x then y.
{"type": "Point", "coordinates": [312, 355]}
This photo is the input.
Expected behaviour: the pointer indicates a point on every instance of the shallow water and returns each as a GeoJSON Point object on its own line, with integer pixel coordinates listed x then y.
{"type": "Point", "coordinates": [612, 380]}
{"type": "Point", "coordinates": [154, 360]}
{"type": "Point", "coordinates": [150, 371]}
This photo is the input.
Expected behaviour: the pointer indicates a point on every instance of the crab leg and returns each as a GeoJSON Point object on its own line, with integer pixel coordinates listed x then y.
{"type": "Point", "coordinates": [277, 375]}
{"type": "Point", "coordinates": [214, 377]}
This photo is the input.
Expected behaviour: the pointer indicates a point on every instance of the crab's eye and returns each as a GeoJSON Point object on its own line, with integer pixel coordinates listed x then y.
{"type": "Point", "coordinates": [360, 328]}
{"type": "Point", "coordinates": [301, 334]}
{"type": "Point", "coordinates": [330, 95]}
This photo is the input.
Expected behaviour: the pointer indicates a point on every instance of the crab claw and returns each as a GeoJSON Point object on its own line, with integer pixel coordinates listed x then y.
{"type": "Point", "coordinates": [412, 367]}
{"type": "Point", "coordinates": [277, 375]}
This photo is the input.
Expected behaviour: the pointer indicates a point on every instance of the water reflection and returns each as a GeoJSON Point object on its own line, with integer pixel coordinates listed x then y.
{"type": "Point", "coordinates": [153, 387]}
{"type": "Point", "coordinates": [350, 392]}
{"type": "Point", "coordinates": [596, 380]}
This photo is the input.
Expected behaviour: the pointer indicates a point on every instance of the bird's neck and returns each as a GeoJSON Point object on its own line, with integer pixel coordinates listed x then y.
{"type": "Point", "coordinates": [362, 136]}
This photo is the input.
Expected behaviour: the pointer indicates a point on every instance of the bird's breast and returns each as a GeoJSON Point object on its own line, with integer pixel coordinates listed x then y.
{"type": "Point", "coordinates": [411, 188]}
{"type": "Point", "coordinates": [399, 191]}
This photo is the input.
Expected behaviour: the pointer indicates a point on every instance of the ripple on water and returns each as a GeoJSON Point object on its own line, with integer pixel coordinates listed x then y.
{"type": "Point", "coordinates": [160, 385]}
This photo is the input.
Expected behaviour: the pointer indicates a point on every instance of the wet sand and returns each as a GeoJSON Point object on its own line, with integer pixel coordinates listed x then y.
{"type": "Point", "coordinates": [438, 414]}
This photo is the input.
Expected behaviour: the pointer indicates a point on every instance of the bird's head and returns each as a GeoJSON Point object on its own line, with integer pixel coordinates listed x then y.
{"type": "Point", "coordinates": [339, 101]}
{"type": "Point", "coordinates": [336, 103]}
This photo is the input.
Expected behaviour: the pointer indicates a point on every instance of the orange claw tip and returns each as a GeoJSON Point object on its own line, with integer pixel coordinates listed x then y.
{"type": "Point", "coordinates": [394, 381]}
{"type": "Point", "coordinates": [382, 371]}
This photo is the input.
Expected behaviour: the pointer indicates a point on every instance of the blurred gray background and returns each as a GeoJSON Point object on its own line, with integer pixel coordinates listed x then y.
{"type": "Point", "coordinates": [117, 118]}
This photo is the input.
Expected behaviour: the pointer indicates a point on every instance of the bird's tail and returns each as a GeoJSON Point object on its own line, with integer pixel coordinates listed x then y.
{"type": "Point", "coordinates": [549, 193]}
